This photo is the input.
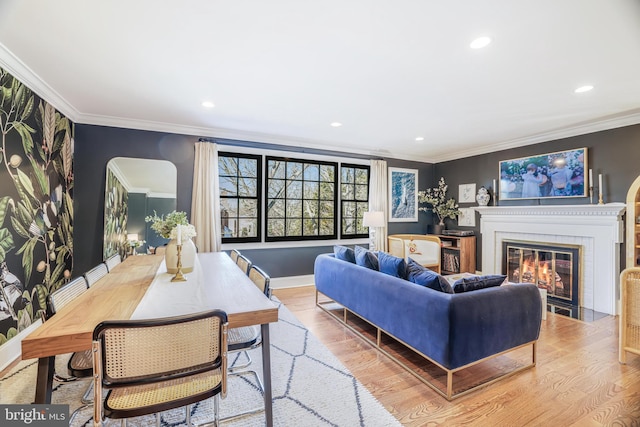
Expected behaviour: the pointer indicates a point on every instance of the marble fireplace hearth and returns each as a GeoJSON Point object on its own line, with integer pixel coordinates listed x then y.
{"type": "Point", "coordinates": [596, 229]}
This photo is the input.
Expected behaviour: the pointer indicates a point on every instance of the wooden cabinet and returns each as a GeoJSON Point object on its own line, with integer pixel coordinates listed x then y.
{"type": "Point", "coordinates": [458, 254]}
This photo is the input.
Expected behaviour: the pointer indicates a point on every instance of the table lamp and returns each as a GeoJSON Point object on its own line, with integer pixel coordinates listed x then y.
{"type": "Point", "coordinates": [373, 220]}
{"type": "Point", "coordinates": [132, 238]}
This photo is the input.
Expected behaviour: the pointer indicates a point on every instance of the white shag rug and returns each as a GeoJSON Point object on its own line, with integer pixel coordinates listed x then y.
{"type": "Point", "coordinates": [310, 388]}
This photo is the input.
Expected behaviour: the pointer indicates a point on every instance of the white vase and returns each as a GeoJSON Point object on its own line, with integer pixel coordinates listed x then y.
{"type": "Point", "coordinates": [188, 256]}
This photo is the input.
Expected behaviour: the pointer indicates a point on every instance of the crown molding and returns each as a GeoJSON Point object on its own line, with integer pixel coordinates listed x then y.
{"type": "Point", "coordinates": [615, 121]}
{"type": "Point", "coordinates": [27, 76]}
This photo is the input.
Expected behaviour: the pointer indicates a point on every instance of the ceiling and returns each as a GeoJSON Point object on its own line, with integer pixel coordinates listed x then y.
{"type": "Point", "coordinates": [282, 71]}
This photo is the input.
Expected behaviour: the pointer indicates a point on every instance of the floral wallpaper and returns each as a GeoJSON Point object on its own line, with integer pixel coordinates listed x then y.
{"type": "Point", "coordinates": [116, 207]}
{"type": "Point", "coordinates": [36, 204]}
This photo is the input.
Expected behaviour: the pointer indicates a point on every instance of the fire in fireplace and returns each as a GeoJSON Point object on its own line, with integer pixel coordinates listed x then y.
{"type": "Point", "coordinates": [551, 267]}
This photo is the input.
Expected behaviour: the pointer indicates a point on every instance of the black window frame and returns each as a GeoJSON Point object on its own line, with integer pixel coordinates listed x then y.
{"type": "Point", "coordinates": [342, 201]}
{"type": "Point", "coordinates": [336, 181]}
{"type": "Point", "coordinates": [258, 158]}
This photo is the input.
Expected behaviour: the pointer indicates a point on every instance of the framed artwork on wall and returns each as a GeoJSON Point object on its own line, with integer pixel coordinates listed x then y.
{"type": "Point", "coordinates": [467, 217]}
{"type": "Point", "coordinates": [552, 175]}
{"type": "Point", "coordinates": [467, 193]}
{"type": "Point", "coordinates": [403, 195]}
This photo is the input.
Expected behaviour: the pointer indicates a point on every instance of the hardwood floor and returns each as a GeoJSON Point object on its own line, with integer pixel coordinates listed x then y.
{"type": "Point", "coordinates": [577, 381]}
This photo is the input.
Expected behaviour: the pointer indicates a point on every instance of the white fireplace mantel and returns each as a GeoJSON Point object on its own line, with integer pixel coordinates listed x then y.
{"type": "Point", "coordinates": [597, 229]}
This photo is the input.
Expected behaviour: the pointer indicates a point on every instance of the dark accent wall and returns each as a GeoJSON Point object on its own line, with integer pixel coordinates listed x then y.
{"type": "Point", "coordinates": [614, 153]}
{"type": "Point", "coordinates": [96, 145]}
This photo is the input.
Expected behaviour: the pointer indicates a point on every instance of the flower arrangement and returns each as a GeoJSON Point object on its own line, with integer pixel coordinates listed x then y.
{"type": "Point", "coordinates": [164, 225]}
{"type": "Point", "coordinates": [186, 232]}
{"type": "Point", "coordinates": [440, 205]}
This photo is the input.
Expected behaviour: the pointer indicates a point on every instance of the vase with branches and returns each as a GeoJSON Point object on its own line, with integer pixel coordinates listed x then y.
{"type": "Point", "coordinates": [440, 205]}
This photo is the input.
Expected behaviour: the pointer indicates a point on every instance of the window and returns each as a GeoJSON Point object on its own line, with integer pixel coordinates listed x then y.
{"type": "Point", "coordinates": [301, 199]}
{"type": "Point", "coordinates": [240, 178]}
{"type": "Point", "coordinates": [354, 200]}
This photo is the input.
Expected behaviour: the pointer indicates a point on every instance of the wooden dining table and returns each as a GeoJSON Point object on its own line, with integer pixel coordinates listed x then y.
{"type": "Point", "coordinates": [138, 288]}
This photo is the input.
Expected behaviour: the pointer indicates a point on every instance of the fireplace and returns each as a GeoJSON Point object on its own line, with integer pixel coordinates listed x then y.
{"type": "Point", "coordinates": [596, 229]}
{"type": "Point", "coordinates": [554, 268]}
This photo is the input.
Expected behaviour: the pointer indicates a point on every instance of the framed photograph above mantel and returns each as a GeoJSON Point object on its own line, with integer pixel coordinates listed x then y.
{"type": "Point", "coordinates": [403, 195]}
{"type": "Point", "coordinates": [552, 175]}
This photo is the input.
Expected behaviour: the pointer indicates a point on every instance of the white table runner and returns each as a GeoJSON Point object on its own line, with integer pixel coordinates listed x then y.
{"type": "Point", "coordinates": [165, 298]}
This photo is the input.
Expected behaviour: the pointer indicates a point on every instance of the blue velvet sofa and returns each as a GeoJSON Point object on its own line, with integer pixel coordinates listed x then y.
{"type": "Point", "coordinates": [454, 331]}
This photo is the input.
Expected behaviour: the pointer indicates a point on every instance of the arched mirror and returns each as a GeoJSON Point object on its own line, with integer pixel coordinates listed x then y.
{"type": "Point", "coordinates": [136, 188]}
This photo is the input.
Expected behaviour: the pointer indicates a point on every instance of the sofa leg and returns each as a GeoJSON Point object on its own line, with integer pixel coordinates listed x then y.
{"type": "Point", "coordinates": [449, 384]}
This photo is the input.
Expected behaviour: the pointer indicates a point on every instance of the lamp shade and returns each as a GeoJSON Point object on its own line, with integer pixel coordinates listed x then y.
{"type": "Point", "coordinates": [373, 219]}
{"type": "Point", "coordinates": [132, 237]}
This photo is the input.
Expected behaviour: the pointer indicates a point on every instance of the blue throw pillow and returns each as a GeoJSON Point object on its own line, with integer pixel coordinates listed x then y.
{"type": "Point", "coordinates": [344, 253]}
{"type": "Point", "coordinates": [420, 275]}
{"type": "Point", "coordinates": [366, 258]}
{"type": "Point", "coordinates": [467, 284]}
{"type": "Point", "coordinates": [392, 265]}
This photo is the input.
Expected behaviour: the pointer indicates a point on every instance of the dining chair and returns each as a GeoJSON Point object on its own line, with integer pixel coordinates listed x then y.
{"type": "Point", "coordinates": [96, 273]}
{"type": "Point", "coordinates": [234, 254]}
{"type": "Point", "coordinates": [629, 330]}
{"type": "Point", "coordinates": [80, 363]}
{"type": "Point", "coordinates": [247, 338]}
{"type": "Point", "coordinates": [154, 365]}
{"type": "Point", "coordinates": [112, 261]}
{"type": "Point", "coordinates": [244, 263]}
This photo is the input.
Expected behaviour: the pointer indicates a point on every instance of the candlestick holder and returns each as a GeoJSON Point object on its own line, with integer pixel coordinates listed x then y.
{"type": "Point", "coordinates": [600, 201]}
{"type": "Point", "coordinates": [179, 276]}
{"type": "Point", "coordinates": [591, 194]}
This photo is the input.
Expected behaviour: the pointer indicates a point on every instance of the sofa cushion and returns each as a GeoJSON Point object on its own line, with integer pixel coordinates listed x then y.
{"type": "Point", "coordinates": [420, 275]}
{"type": "Point", "coordinates": [392, 265]}
{"type": "Point", "coordinates": [366, 258]}
{"type": "Point", "coordinates": [344, 253]}
{"type": "Point", "coordinates": [467, 284]}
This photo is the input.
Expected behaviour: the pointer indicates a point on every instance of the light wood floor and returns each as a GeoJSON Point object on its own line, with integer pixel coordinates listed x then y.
{"type": "Point", "coordinates": [577, 381]}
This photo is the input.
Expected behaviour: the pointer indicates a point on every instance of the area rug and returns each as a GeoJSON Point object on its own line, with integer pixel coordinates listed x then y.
{"type": "Point", "coordinates": [310, 388]}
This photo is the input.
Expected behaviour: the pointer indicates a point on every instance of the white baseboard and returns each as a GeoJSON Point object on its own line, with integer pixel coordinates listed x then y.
{"type": "Point", "coordinates": [12, 349]}
{"type": "Point", "coordinates": [292, 281]}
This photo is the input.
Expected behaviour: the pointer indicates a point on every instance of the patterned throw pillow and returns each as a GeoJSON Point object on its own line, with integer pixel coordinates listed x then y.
{"type": "Point", "coordinates": [392, 265]}
{"type": "Point", "coordinates": [366, 258]}
{"type": "Point", "coordinates": [344, 253]}
{"type": "Point", "coordinates": [420, 275]}
{"type": "Point", "coordinates": [468, 284]}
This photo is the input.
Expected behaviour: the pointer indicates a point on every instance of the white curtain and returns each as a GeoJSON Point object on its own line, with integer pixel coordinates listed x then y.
{"type": "Point", "coordinates": [378, 199]}
{"type": "Point", "coordinates": [205, 200]}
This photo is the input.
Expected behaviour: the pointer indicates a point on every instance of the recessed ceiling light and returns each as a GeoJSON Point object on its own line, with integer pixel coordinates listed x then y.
{"type": "Point", "coordinates": [208, 104]}
{"type": "Point", "coordinates": [420, 138]}
{"type": "Point", "coordinates": [582, 89]}
{"type": "Point", "coordinates": [336, 124]}
{"type": "Point", "coordinates": [480, 42]}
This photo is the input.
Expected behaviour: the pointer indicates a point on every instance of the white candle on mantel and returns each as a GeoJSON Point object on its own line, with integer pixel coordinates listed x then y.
{"type": "Point", "coordinates": [590, 177]}
{"type": "Point", "coordinates": [494, 186]}
{"type": "Point", "coordinates": [179, 234]}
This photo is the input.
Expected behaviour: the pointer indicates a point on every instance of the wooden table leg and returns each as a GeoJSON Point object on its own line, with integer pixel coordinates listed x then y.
{"type": "Point", "coordinates": [266, 374]}
{"type": "Point", "coordinates": [44, 381]}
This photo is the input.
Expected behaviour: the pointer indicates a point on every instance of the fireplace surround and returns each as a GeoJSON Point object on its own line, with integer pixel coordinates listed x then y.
{"type": "Point", "coordinates": [596, 229]}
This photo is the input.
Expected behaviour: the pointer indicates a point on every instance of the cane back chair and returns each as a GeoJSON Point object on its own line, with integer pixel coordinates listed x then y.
{"type": "Point", "coordinates": [247, 338]}
{"type": "Point", "coordinates": [112, 261]}
{"type": "Point", "coordinates": [96, 273]}
{"type": "Point", "coordinates": [234, 254]}
{"type": "Point", "coordinates": [629, 313]}
{"type": "Point", "coordinates": [244, 263]}
{"type": "Point", "coordinates": [154, 365]}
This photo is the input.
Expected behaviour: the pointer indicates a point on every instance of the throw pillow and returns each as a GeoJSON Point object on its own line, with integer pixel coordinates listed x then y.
{"type": "Point", "coordinates": [344, 253]}
{"type": "Point", "coordinates": [392, 265]}
{"type": "Point", "coordinates": [467, 284]}
{"type": "Point", "coordinates": [366, 258]}
{"type": "Point", "coordinates": [420, 275]}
